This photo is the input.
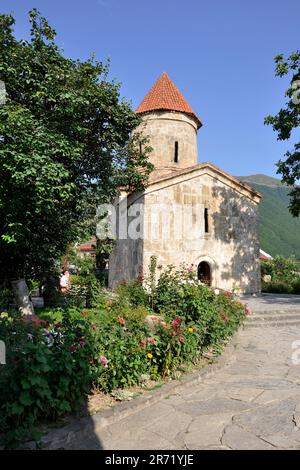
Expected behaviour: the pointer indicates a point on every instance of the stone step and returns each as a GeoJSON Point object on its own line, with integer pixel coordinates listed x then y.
{"type": "Point", "coordinates": [274, 317]}
{"type": "Point", "coordinates": [276, 311]}
{"type": "Point", "coordinates": [278, 323]}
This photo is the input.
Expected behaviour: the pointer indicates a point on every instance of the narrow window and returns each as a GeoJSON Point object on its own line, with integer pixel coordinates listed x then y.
{"type": "Point", "coordinates": [206, 220]}
{"type": "Point", "coordinates": [176, 152]}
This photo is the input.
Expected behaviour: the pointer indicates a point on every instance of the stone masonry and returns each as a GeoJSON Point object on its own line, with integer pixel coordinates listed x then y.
{"type": "Point", "coordinates": [191, 213]}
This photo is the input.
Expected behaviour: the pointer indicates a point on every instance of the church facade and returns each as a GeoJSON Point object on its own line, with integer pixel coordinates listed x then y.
{"type": "Point", "coordinates": [190, 213]}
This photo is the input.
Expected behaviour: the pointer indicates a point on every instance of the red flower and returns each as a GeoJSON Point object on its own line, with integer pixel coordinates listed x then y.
{"type": "Point", "coordinates": [33, 319]}
{"type": "Point", "coordinates": [84, 313]}
{"type": "Point", "coordinates": [176, 322]}
{"type": "Point", "coordinates": [175, 325]}
{"type": "Point", "coordinates": [227, 294]}
{"type": "Point", "coordinates": [121, 320]}
{"type": "Point", "coordinates": [73, 347]}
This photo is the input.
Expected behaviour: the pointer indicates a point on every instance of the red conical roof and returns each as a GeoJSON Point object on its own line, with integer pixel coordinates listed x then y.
{"type": "Point", "coordinates": [165, 96]}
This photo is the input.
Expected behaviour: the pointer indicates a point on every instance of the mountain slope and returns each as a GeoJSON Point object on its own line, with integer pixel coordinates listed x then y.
{"type": "Point", "coordinates": [279, 231]}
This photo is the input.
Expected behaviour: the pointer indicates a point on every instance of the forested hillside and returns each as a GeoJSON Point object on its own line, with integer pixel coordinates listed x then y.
{"type": "Point", "coordinates": [279, 231]}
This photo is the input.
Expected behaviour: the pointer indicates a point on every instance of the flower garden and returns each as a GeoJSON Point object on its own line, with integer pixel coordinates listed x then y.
{"type": "Point", "coordinates": [142, 330]}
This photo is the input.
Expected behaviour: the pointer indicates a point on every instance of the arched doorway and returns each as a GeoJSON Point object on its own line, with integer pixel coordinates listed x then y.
{"type": "Point", "coordinates": [204, 273]}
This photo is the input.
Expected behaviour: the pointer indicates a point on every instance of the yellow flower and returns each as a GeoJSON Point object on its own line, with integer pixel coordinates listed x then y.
{"type": "Point", "coordinates": [149, 355]}
{"type": "Point", "coordinates": [190, 329]}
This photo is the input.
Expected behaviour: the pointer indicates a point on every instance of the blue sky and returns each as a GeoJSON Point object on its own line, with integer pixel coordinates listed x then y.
{"type": "Point", "coordinates": [219, 53]}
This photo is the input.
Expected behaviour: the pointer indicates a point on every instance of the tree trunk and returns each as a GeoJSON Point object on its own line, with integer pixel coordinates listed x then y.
{"type": "Point", "coordinates": [21, 294]}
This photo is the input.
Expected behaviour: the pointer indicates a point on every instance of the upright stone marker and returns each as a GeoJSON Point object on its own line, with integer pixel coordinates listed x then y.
{"type": "Point", "coordinates": [21, 294]}
{"type": "Point", "coordinates": [2, 93]}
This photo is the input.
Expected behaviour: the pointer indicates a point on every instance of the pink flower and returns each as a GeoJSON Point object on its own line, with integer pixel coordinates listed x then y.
{"type": "Point", "coordinates": [81, 341]}
{"type": "Point", "coordinates": [248, 311]}
{"type": "Point", "coordinates": [93, 326]}
{"type": "Point", "coordinates": [104, 361]}
{"type": "Point", "coordinates": [150, 340]}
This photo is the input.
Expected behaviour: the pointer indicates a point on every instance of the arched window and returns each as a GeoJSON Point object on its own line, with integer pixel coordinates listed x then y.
{"type": "Point", "coordinates": [204, 273]}
{"type": "Point", "coordinates": [176, 158]}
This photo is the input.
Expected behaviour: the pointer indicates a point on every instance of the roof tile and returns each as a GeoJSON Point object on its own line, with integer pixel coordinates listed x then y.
{"type": "Point", "coordinates": [164, 95]}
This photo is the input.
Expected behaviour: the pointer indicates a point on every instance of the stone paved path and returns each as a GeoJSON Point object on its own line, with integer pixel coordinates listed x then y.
{"type": "Point", "coordinates": [253, 403]}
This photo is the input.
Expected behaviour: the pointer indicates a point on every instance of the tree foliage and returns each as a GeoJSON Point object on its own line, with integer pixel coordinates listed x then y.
{"type": "Point", "coordinates": [285, 122]}
{"type": "Point", "coordinates": [65, 147]}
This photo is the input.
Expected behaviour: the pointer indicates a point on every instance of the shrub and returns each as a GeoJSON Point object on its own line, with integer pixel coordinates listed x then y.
{"type": "Point", "coordinates": [281, 269]}
{"type": "Point", "coordinates": [277, 287]}
{"type": "Point", "coordinates": [133, 293]}
{"type": "Point", "coordinates": [285, 275]}
{"type": "Point", "coordinates": [85, 292]}
{"type": "Point", "coordinates": [47, 372]}
{"type": "Point", "coordinates": [296, 286]}
{"type": "Point", "coordinates": [51, 367]}
{"type": "Point", "coordinates": [6, 298]}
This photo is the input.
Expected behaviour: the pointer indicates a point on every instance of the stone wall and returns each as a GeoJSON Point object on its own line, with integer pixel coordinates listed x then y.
{"type": "Point", "coordinates": [126, 259]}
{"type": "Point", "coordinates": [231, 247]}
{"type": "Point", "coordinates": [164, 128]}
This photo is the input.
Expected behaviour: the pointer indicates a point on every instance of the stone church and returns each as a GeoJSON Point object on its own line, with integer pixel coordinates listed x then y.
{"type": "Point", "coordinates": [192, 213]}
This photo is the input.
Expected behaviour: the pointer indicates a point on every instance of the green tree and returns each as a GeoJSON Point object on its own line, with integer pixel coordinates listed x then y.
{"type": "Point", "coordinates": [284, 122]}
{"type": "Point", "coordinates": [65, 147]}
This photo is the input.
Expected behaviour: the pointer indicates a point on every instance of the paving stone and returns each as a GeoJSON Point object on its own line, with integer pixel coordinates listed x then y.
{"type": "Point", "coordinates": [269, 419]}
{"type": "Point", "coordinates": [284, 442]}
{"type": "Point", "coordinates": [243, 394]}
{"type": "Point", "coordinates": [213, 406]}
{"type": "Point", "coordinates": [141, 439]}
{"type": "Point", "coordinates": [206, 431]}
{"type": "Point", "coordinates": [236, 438]}
{"type": "Point", "coordinates": [174, 400]}
{"type": "Point", "coordinates": [176, 423]}
{"type": "Point", "coordinates": [269, 396]}
{"type": "Point", "coordinates": [296, 417]}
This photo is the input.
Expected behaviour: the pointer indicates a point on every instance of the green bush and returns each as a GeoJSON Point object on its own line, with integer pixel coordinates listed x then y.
{"type": "Point", "coordinates": [46, 374]}
{"type": "Point", "coordinates": [86, 291]}
{"type": "Point", "coordinates": [285, 275]}
{"type": "Point", "coordinates": [296, 286]}
{"type": "Point", "coordinates": [6, 298]}
{"type": "Point", "coordinates": [280, 268]}
{"type": "Point", "coordinates": [277, 287]}
{"type": "Point", "coordinates": [133, 293]}
{"type": "Point", "coordinates": [52, 366]}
